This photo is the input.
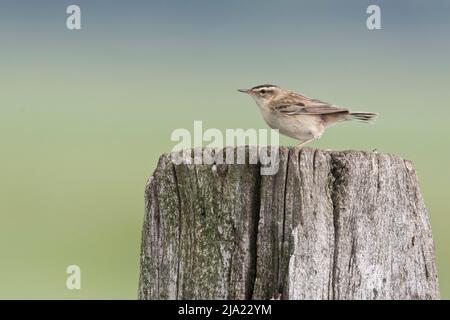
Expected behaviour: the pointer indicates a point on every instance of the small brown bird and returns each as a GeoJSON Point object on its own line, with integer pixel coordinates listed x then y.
{"type": "Point", "coordinates": [298, 116]}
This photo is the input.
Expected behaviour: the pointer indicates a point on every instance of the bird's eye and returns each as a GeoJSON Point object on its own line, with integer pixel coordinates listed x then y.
{"type": "Point", "coordinates": [262, 91]}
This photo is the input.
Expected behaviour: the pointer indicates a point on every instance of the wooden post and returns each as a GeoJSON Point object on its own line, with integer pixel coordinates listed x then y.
{"type": "Point", "coordinates": [327, 225]}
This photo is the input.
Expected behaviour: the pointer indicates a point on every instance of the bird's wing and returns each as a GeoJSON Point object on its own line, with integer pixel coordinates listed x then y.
{"type": "Point", "coordinates": [312, 106]}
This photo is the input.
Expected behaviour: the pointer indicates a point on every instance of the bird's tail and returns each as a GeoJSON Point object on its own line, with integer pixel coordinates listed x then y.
{"type": "Point", "coordinates": [367, 117]}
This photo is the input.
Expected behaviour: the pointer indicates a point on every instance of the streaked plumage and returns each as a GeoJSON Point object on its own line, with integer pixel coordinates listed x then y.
{"type": "Point", "coordinates": [298, 116]}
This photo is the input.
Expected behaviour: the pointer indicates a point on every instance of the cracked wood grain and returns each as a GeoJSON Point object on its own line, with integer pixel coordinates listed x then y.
{"type": "Point", "coordinates": [327, 225]}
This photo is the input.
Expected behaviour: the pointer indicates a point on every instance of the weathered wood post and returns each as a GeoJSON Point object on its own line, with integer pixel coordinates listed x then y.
{"type": "Point", "coordinates": [327, 225]}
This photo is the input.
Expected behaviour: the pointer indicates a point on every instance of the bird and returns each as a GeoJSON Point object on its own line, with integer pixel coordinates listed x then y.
{"type": "Point", "coordinates": [298, 116]}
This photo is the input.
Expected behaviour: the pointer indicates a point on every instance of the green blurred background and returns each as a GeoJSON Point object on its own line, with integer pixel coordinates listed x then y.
{"type": "Point", "coordinates": [85, 114]}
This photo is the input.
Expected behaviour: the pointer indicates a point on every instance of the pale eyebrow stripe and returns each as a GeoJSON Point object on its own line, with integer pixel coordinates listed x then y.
{"type": "Point", "coordinates": [264, 86]}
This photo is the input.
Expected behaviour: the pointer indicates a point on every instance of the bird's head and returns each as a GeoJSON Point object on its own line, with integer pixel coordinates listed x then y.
{"type": "Point", "coordinates": [263, 94]}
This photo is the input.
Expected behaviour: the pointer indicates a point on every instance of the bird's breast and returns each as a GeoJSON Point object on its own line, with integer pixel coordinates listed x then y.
{"type": "Point", "coordinates": [299, 127]}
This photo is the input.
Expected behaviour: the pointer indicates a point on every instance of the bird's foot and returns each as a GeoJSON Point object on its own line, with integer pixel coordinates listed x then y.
{"type": "Point", "coordinates": [303, 143]}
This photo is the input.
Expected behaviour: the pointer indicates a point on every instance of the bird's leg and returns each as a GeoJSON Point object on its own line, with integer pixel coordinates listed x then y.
{"type": "Point", "coordinates": [301, 144]}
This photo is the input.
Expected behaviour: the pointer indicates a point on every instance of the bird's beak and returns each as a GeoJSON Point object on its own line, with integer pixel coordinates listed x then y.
{"type": "Point", "coordinates": [244, 90]}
